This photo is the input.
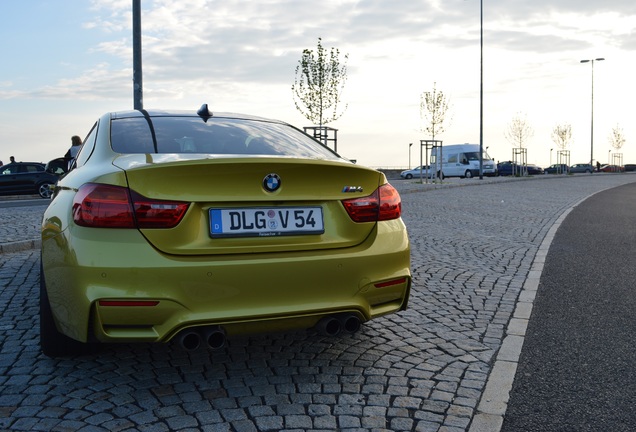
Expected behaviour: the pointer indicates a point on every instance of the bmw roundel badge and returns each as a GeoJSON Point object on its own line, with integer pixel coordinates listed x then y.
{"type": "Point", "coordinates": [271, 182]}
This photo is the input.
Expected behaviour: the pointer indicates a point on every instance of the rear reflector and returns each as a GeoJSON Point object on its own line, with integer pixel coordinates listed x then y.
{"type": "Point", "coordinates": [129, 303]}
{"type": "Point", "coordinates": [390, 283]}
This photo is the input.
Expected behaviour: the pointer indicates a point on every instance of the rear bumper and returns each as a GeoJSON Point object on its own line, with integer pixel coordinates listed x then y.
{"type": "Point", "coordinates": [244, 293]}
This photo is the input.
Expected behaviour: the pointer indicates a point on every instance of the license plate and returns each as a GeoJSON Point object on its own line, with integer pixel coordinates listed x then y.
{"type": "Point", "coordinates": [266, 222]}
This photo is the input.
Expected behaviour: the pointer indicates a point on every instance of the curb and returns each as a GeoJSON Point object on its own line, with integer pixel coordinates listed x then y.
{"type": "Point", "coordinates": [491, 410]}
{"type": "Point", "coordinates": [20, 246]}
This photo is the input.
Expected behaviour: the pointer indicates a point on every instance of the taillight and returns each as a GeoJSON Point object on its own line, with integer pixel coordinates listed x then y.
{"type": "Point", "coordinates": [383, 204]}
{"type": "Point", "coordinates": [103, 206]}
{"type": "Point", "coordinates": [390, 203]}
{"type": "Point", "coordinates": [106, 206]}
{"type": "Point", "coordinates": [157, 214]}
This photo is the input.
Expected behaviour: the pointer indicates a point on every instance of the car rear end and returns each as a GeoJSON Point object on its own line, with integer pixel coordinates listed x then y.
{"type": "Point", "coordinates": [235, 234]}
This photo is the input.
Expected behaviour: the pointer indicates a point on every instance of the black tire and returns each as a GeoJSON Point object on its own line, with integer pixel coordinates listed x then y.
{"type": "Point", "coordinates": [440, 175]}
{"type": "Point", "coordinates": [409, 176]}
{"type": "Point", "coordinates": [52, 342]}
{"type": "Point", "coordinates": [44, 190]}
{"type": "Point", "coordinates": [468, 174]}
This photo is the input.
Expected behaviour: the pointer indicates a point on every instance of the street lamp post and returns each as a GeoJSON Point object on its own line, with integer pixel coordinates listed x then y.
{"type": "Point", "coordinates": [481, 89]}
{"type": "Point", "coordinates": [592, 117]}
{"type": "Point", "coordinates": [410, 145]}
{"type": "Point", "coordinates": [138, 99]}
{"type": "Point", "coordinates": [551, 156]}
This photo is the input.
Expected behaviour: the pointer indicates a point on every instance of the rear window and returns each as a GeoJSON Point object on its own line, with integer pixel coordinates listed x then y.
{"type": "Point", "coordinates": [220, 136]}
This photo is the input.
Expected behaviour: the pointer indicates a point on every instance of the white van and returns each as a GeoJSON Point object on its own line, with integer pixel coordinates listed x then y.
{"type": "Point", "coordinates": [461, 160]}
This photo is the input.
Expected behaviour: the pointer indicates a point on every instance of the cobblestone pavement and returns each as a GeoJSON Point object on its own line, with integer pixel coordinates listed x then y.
{"type": "Point", "coordinates": [20, 227]}
{"type": "Point", "coordinates": [424, 369]}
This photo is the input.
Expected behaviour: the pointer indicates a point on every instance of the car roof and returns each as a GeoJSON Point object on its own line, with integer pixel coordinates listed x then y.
{"type": "Point", "coordinates": [185, 113]}
{"type": "Point", "coordinates": [23, 163]}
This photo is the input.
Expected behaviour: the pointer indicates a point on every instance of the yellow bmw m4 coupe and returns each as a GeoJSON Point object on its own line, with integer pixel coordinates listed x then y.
{"type": "Point", "coordinates": [197, 226]}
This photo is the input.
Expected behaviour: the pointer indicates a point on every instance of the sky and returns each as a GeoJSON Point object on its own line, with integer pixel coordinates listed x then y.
{"type": "Point", "coordinates": [65, 63]}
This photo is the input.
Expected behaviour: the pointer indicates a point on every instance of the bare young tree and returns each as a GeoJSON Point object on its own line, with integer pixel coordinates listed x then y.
{"type": "Point", "coordinates": [519, 131]}
{"type": "Point", "coordinates": [617, 138]}
{"type": "Point", "coordinates": [433, 108]}
{"type": "Point", "coordinates": [318, 85]}
{"type": "Point", "coordinates": [562, 135]}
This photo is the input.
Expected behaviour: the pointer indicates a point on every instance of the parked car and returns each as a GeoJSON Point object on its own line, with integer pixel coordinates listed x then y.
{"type": "Point", "coordinates": [510, 168]}
{"type": "Point", "coordinates": [557, 169]}
{"type": "Point", "coordinates": [192, 227]}
{"type": "Point", "coordinates": [630, 167]}
{"type": "Point", "coordinates": [582, 168]}
{"type": "Point", "coordinates": [612, 168]}
{"type": "Point", "coordinates": [534, 169]}
{"type": "Point", "coordinates": [419, 172]}
{"type": "Point", "coordinates": [26, 178]}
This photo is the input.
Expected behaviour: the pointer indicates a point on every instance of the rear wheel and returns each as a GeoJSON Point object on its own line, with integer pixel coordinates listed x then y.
{"type": "Point", "coordinates": [52, 342]}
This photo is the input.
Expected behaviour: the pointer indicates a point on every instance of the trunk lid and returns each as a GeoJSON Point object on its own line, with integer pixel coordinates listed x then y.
{"type": "Point", "coordinates": [236, 185]}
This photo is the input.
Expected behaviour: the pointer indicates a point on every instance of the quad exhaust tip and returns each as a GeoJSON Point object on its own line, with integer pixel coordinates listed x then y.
{"type": "Point", "coordinates": [214, 337]}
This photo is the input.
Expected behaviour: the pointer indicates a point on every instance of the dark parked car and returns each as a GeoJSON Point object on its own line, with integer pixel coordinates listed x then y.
{"type": "Point", "coordinates": [630, 167]}
{"type": "Point", "coordinates": [582, 168]}
{"type": "Point", "coordinates": [507, 168]}
{"type": "Point", "coordinates": [510, 168]}
{"type": "Point", "coordinates": [26, 178]}
{"type": "Point", "coordinates": [534, 170]}
{"type": "Point", "coordinates": [557, 169]}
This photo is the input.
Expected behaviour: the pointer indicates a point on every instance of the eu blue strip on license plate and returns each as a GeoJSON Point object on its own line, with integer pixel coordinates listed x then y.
{"type": "Point", "coordinates": [266, 222]}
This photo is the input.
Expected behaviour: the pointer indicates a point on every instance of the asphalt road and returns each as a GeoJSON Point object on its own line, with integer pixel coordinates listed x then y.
{"type": "Point", "coordinates": [577, 366]}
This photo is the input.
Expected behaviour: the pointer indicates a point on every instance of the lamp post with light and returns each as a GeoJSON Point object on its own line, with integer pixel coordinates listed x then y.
{"type": "Point", "coordinates": [481, 89]}
{"type": "Point", "coordinates": [410, 145]}
{"type": "Point", "coordinates": [592, 118]}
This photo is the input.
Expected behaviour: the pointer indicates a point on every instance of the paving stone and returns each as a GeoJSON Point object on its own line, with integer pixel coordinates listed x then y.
{"type": "Point", "coordinates": [423, 369]}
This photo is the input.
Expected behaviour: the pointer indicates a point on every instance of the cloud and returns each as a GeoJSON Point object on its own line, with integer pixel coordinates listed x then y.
{"type": "Point", "coordinates": [194, 45]}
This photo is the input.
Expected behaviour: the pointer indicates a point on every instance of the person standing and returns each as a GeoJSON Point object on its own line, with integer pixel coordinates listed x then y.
{"type": "Point", "coordinates": [76, 143]}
